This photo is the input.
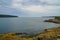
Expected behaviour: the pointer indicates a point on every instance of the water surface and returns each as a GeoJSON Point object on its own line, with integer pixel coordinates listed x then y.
{"type": "Point", "coordinates": [25, 24]}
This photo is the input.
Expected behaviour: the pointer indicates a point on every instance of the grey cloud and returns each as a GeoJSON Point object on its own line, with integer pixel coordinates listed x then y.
{"type": "Point", "coordinates": [5, 2]}
{"type": "Point", "coordinates": [51, 2]}
{"type": "Point", "coordinates": [30, 2]}
{"type": "Point", "coordinates": [40, 2]}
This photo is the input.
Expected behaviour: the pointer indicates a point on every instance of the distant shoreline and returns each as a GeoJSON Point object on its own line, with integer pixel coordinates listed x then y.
{"type": "Point", "coordinates": [3, 16]}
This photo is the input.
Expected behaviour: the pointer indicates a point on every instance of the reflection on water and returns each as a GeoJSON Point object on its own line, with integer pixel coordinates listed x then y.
{"type": "Point", "coordinates": [25, 24]}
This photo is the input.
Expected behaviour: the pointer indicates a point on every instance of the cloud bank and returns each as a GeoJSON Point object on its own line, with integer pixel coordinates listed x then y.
{"type": "Point", "coordinates": [33, 7]}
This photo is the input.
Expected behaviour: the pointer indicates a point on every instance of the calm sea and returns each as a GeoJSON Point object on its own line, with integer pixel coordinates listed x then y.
{"type": "Point", "coordinates": [25, 24]}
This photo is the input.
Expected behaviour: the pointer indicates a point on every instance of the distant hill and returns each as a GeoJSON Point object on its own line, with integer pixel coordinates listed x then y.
{"type": "Point", "coordinates": [7, 16]}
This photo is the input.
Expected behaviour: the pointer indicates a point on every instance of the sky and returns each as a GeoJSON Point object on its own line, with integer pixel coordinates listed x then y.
{"type": "Point", "coordinates": [30, 8]}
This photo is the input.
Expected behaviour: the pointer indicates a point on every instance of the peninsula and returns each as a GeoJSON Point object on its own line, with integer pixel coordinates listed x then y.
{"type": "Point", "coordinates": [55, 20]}
{"type": "Point", "coordinates": [1, 15]}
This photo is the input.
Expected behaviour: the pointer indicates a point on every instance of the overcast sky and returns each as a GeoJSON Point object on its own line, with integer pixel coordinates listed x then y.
{"type": "Point", "coordinates": [30, 8]}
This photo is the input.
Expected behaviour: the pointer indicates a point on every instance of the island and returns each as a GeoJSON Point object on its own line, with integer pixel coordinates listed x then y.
{"type": "Point", "coordinates": [55, 20]}
{"type": "Point", "coordinates": [2, 15]}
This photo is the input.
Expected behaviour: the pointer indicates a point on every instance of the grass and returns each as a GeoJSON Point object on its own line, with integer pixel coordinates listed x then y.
{"type": "Point", "coordinates": [57, 17]}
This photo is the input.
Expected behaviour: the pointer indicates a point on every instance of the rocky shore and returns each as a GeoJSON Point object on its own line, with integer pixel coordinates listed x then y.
{"type": "Point", "coordinates": [15, 36]}
{"type": "Point", "coordinates": [48, 34]}
{"type": "Point", "coordinates": [53, 21]}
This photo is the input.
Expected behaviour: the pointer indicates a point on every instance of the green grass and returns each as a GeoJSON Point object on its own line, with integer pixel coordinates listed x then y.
{"type": "Point", "coordinates": [57, 17]}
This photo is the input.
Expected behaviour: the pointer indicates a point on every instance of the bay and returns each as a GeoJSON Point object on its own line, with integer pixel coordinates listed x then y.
{"type": "Point", "coordinates": [32, 25]}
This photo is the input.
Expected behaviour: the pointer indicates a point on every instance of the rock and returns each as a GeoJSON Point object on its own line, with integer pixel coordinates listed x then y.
{"type": "Point", "coordinates": [53, 21]}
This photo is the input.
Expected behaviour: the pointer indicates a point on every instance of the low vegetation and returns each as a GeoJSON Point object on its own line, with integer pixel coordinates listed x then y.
{"type": "Point", "coordinates": [57, 17]}
{"type": "Point", "coordinates": [50, 34]}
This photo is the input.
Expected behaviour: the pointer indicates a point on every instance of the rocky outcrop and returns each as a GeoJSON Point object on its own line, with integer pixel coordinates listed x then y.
{"type": "Point", "coordinates": [49, 34]}
{"type": "Point", "coordinates": [53, 20]}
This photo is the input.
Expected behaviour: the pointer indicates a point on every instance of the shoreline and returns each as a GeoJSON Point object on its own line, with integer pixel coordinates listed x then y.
{"type": "Point", "coordinates": [49, 34]}
{"type": "Point", "coordinates": [53, 21]}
